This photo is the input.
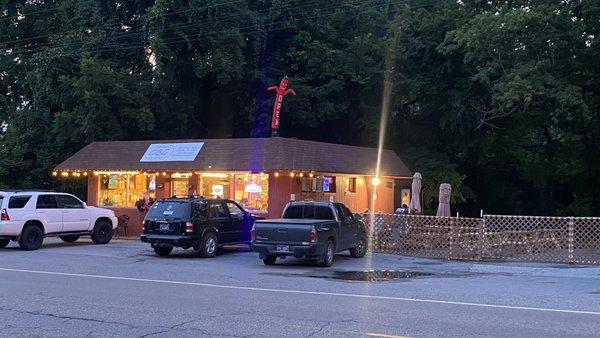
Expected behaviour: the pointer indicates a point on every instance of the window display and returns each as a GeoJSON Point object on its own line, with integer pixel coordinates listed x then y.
{"type": "Point", "coordinates": [252, 192]}
{"type": "Point", "coordinates": [215, 185]}
{"type": "Point", "coordinates": [329, 184]}
{"type": "Point", "coordinates": [123, 190]}
{"type": "Point", "coordinates": [180, 186]}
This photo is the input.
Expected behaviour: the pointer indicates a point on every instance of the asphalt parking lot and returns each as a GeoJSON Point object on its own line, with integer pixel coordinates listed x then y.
{"type": "Point", "coordinates": [123, 289]}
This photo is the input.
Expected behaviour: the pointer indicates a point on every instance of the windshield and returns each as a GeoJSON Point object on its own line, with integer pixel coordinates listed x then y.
{"type": "Point", "coordinates": [308, 212]}
{"type": "Point", "coordinates": [170, 209]}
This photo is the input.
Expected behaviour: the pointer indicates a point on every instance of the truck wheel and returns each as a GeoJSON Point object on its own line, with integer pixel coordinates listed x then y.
{"type": "Point", "coordinates": [328, 256]}
{"type": "Point", "coordinates": [360, 250]}
{"type": "Point", "coordinates": [102, 233]}
{"type": "Point", "coordinates": [31, 238]}
{"type": "Point", "coordinates": [209, 245]}
{"type": "Point", "coordinates": [270, 260]}
{"type": "Point", "coordinates": [4, 243]}
{"type": "Point", "coordinates": [163, 251]}
{"type": "Point", "coordinates": [69, 238]}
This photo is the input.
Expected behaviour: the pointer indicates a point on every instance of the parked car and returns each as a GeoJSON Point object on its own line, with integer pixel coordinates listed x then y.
{"type": "Point", "coordinates": [315, 230]}
{"type": "Point", "coordinates": [29, 216]}
{"type": "Point", "coordinates": [197, 223]}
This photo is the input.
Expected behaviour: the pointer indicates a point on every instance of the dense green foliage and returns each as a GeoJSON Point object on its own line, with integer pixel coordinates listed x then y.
{"type": "Point", "coordinates": [499, 98]}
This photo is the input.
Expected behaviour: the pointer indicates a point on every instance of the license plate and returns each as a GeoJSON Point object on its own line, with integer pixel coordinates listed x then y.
{"type": "Point", "coordinates": [165, 226]}
{"type": "Point", "coordinates": [283, 248]}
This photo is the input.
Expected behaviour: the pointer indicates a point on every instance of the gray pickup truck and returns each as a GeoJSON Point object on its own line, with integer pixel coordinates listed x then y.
{"type": "Point", "coordinates": [315, 230]}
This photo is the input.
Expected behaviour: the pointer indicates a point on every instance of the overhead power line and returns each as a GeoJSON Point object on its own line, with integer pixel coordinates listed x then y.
{"type": "Point", "coordinates": [206, 24]}
{"type": "Point", "coordinates": [142, 31]}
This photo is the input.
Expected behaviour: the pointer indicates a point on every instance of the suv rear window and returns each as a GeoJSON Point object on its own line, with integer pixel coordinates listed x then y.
{"type": "Point", "coordinates": [170, 209]}
{"type": "Point", "coordinates": [308, 212]}
{"type": "Point", "coordinates": [18, 202]}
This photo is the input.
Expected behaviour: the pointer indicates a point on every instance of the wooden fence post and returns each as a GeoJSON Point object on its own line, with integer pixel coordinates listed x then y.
{"type": "Point", "coordinates": [451, 244]}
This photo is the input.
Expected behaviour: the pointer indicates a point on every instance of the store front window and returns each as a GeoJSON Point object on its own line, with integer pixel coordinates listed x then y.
{"type": "Point", "coordinates": [180, 185]}
{"type": "Point", "coordinates": [123, 190]}
{"type": "Point", "coordinates": [252, 192]}
{"type": "Point", "coordinates": [215, 185]}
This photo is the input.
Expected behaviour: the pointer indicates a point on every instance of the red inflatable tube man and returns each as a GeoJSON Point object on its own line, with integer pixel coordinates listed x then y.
{"type": "Point", "coordinates": [281, 91]}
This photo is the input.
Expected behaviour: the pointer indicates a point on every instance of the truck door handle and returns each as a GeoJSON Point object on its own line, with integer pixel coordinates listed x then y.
{"type": "Point", "coordinates": [281, 230]}
{"type": "Point", "coordinates": [325, 229]}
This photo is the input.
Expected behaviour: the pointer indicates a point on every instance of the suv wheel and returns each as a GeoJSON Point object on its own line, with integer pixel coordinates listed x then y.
{"type": "Point", "coordinates": [69, 238]}
{"type": "Point", "coordinates": [360, 250]}
{"type": "Point", "coordinates": [31, 238]}
{"type": "Point", "coordinates": [163, 250]}
{"type": "Point", "coordinates": [270, 260]}
{"type": "Point", "coordinates": [102, 233]}
{"type": "Point", "coordinates": [328, 255]}
{"type": "Point", "coordinates": [209, 245]}
{"type": "Point", "coordinates": [4, 243]}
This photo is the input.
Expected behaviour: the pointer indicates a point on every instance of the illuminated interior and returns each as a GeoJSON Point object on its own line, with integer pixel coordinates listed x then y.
{"type": "Point", "coordinates": [123, 190]}
{"type": "Point", "coordinates": [252, 192]}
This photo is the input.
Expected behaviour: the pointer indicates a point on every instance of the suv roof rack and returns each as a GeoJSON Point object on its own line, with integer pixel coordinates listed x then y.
{"type": "Point", "coordinates": [29, 190]}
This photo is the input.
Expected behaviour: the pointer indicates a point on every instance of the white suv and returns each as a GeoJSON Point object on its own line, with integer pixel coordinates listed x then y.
{"type": "Point", "coordinates": [29, 216]}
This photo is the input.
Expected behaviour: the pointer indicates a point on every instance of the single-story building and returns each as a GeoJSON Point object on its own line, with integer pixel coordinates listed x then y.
{"type": "Point", "coordinates": [261, 174]}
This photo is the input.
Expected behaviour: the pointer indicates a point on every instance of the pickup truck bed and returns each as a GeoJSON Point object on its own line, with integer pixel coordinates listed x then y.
{"type": "Point", "coordinates": [289, 237]}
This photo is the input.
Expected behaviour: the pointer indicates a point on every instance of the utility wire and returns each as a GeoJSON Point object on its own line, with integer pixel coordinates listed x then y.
{"type": "Point", "coordinates": [133, 33]}
{"type": "Point", "coordinates": [208, 23]}
{"type": "Point", "coordinates": [190, 37]}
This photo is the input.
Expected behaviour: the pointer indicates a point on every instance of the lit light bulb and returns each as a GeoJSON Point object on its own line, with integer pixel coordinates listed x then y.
{"type": "Point", "coordinates": [376, 181]}
{"type": "Point", "coordinates": [276, 174]}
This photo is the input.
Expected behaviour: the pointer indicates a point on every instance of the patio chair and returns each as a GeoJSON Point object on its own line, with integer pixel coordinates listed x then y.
{"type": "Point", "coordinates": [122, 225]}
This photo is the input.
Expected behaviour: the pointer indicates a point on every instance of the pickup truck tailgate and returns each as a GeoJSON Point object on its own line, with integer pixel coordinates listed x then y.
{"type": "Point", "coordinates": [284, 231]}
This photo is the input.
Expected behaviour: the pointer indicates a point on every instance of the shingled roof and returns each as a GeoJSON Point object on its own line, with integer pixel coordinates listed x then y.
{"type": "Point", "coordinates": [242, 154]}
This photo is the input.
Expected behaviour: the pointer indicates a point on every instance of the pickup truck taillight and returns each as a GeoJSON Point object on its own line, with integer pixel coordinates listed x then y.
{"type": "Point", "coordinates": [253, 233]}
{"type": "Point", "coordinates": [313, 235]}
{"type": "Point", "coordinates": [4, 215]}
{"type": "Point", "coordinates": [189, 227]}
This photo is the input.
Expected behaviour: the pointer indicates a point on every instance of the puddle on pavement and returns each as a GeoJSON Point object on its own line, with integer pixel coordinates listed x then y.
{"type": "Point", "coordinates": [375, 276]}
{"type": "Point", "coordinates": [369, 276]}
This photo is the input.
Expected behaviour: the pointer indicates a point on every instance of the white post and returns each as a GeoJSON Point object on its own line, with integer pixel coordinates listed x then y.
{"type": "Point", "coordinates": [481, 213]}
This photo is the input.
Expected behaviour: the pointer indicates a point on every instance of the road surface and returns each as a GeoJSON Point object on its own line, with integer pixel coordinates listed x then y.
{"type": "Point", "coordinates": [123, 289]}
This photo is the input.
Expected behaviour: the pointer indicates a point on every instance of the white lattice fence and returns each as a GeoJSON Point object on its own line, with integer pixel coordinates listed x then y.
{"type": "Point", "coordinates": [519, 238]}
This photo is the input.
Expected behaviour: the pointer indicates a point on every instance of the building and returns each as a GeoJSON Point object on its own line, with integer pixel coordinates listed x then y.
{"type": "Point", "coordinates": [262, 174]}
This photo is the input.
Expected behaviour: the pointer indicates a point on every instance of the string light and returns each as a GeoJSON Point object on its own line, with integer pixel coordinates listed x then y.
{"type": "Point", "coordinates": [276, 174]}
{"type": "Point", "coordinates": [301, 175]}
{"type": "Point", "coordinates": [54, 173]}
{"type": "Point", "coordinates": [292, 174]}
{"type": "Point", "coordinates": [311, 175]}
{"type": "Point", "coordinates": [376, 181]}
